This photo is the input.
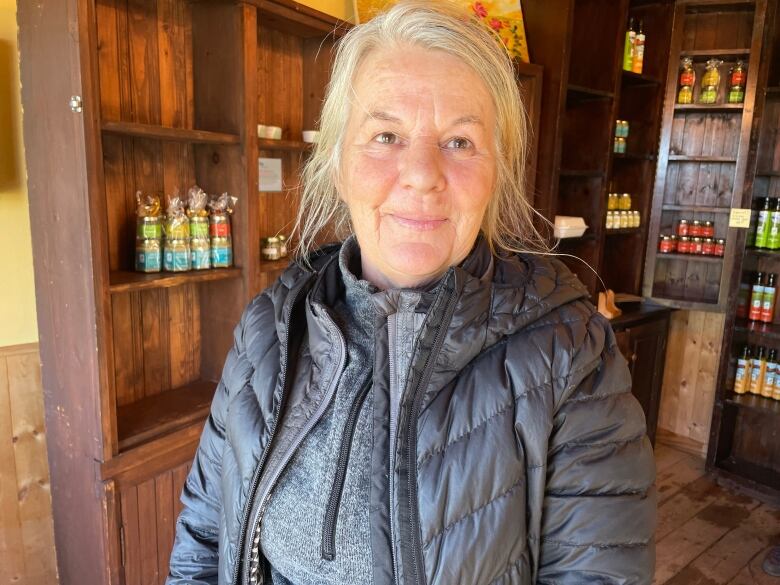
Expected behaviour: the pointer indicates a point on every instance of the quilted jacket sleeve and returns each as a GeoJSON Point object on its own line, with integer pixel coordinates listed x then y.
{"type": "Point", "coordinates": [195, 555]}
{"type": "Point", "coordinates": [599, 504]}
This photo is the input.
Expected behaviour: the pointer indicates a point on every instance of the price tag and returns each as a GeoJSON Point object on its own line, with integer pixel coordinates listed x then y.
{"type": "Point", "coordinates": [739, 218]}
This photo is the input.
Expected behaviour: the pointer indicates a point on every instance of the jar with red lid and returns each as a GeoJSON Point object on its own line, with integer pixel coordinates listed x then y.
{"type": "Point", "coordinates": [720, 247]}
{"type": "Point", "coordinates": [708, 230]}
{"type": "Point", "coordinates": [697, 246]}
{"type": "Point", "coordinates": [665, 245]}
{"type": "Point", "coordinates": [684, 245]}
{"type": "Point", "coordinates": [683, 228]}
{"type": "Point", "coordinates": [695, 229]}
{"type": "Point", "coordinates": [708, 247]}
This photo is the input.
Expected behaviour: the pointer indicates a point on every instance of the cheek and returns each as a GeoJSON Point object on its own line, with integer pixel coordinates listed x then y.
{"type": "Point", "coordinates": [371, 181]}
{"type": "Point", "coordinates": [474, 190]}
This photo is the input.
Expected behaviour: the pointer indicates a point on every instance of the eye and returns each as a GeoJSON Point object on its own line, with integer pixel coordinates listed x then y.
{"type": "Point", "coordinates": [386, 138]}
{"type": "Point", "coordinates": [459, 143]}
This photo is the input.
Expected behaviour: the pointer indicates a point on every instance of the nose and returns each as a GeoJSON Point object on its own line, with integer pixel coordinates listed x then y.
{"type": "Point", "coordinates": [422, 167]}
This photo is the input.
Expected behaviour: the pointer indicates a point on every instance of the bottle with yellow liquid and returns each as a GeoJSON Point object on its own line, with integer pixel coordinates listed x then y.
{"type": "Point", "coordinates": [758, 371]}
{"type": "Point", "coordinates": [742, 376]}
{"type": "Point", "coordinates": [770, 377]}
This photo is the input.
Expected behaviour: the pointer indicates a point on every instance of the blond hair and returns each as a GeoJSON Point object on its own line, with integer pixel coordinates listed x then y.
{"type": "Point", "coordinates": [437, 25]}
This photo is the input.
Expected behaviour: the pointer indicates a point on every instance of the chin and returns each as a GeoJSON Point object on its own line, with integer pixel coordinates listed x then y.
{"type": "Point", "coordinates": [418, 259]}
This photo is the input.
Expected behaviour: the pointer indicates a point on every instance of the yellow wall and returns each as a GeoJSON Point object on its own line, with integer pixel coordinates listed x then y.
{"type": "Point", "coordinates": [17, 289]}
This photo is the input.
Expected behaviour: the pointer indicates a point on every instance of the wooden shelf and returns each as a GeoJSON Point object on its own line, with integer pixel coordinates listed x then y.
{"type": "Point", "coordinates": [691, 257]}
{"type": "Point", "coordinates": [769, 330]}
{"type": "Point", "coordinates": [170, 134]}
{"type": "Point", "coordinates": [703, 55]}
{"type": "Point", "coordinates": [721, 108]}
{"type": "Point", "coordinates": [570, 173]}
{"type": "Point", "coordinates": [703, 159]}
{"type": "Point", "coordinates": [767, 173]}
{"type": "Point", "coordinates": [271, 266]}
{"type": "Point", "coordinates": [696, 208]}
{"type": "Point", "coordinates": [724, 3]}
{"type": "Point", "coordinates": [578, 94]}
{"type": "Point", "coordinates": [633, 156]}
{"type": "Point", "coordinates": [122, 281]}
{"type": "Point", "coordinates": [639, 79]}
{"type": "Point", "coordinates": [773, 254]}
{"type": "Point", "coordinates": [270, 144]}
{"type": "Point", "coordinates": [757, 473]}
{"type": "Point", "coordinates": [622, 231]}
{"type": "Point", "coordinates": [773, 91]}
{"type": "Point", "coordinates": [754, 402]}
{"type": "Point", "coordinates": [589, 237]}
{"type": "Point", "coordinates": [160, 414]}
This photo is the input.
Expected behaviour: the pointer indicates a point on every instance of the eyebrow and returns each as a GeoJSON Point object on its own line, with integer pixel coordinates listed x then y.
{"type": "Point", "coordinates": [380, 115]}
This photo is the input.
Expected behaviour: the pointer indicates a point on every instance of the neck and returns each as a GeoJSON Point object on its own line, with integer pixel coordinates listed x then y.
{"type": "Point", "coordinates": [385, 281]}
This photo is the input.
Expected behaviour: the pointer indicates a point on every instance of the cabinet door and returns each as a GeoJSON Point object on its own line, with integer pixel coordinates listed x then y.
{"type": "Point", "coordinates": [147, 522]}
{"type": "Point", "coordinates": [647, 345]}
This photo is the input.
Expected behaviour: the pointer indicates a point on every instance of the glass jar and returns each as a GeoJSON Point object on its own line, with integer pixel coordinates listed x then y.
{"type": "Point", "coordinates": [685, 95]}
{"type": "Point", "coordinates": [708, 94]}
{"type": "Point", "coordinates": [708, 247]}
{"type": "Point", "coordinates": [684, 245]}
{"type": "Point", "coordinates": [176, 256]}
{"type": "Point", "coordinates": [625, 202]}
{"type": "Point", "coordinates": [270, 248]}
{"type": "Point", "coordinates": [612, 202]}
{"type": "Point", "coordinates": [149, 228]}
{"type": "Point", "coordinates": [683, 228]}
{"type": "Point", "coordinates": [697, 246]}
{"type": "Point", "coordinates": [695, 229]}
{"type": "Point", "coordinates": [687, 72]}
{"type": "Point", "coordinates": [708, 230]}
{"type": "Point", "coordinates": [720, 247]}
{"type": "Point", "coordinates": [282, 245]}
{"type": "Point", "coordinates": [738, 75]}
{"type": "Point", "coordinates": [665, 245]}
{"type": "Point", "coordinates": [711, 77]}
{"type": "Point", "coordinates": [610, 220]}
{"type": "Point", "coordinates": [623, 219]}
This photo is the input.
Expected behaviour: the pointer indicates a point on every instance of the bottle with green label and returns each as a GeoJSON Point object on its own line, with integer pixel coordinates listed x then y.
{"type": "Point", "coordinates": [764, 223]}
{"type": "Point", "coordinates": [628, 49]}
{"type": "Point", "coordinates": [773, 239]}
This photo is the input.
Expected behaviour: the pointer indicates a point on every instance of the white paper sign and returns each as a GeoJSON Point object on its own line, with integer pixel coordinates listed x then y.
{"type": "Point", "coordinates": [739, 218]}
{"type": "Point", "coordinates": [270, 173]}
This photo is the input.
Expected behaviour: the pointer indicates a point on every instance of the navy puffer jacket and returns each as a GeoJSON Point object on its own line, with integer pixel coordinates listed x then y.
{"type": "Point", "coordinates": [520, 454]}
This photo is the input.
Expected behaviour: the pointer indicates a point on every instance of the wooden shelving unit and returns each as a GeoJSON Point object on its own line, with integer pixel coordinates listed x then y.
{"type": "Point", "coordinates": [703, 168]}
{"type": "Point", "coordinates": [172, 93]}
{"type": "Point", "coordinates": [743, 446]}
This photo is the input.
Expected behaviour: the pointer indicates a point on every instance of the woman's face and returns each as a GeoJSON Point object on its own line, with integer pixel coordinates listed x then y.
{"type": "Point", "coordinates": [419, 164]}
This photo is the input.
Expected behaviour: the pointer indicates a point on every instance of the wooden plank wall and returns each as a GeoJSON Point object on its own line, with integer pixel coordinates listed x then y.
{"type": "Point", "coordinates": [692, 357]}
{"type": "Point", "coordinates": [26, 530]}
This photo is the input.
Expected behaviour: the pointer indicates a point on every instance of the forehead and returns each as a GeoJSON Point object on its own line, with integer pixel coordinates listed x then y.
{"type": "Point", "coordinates": [415, 75]}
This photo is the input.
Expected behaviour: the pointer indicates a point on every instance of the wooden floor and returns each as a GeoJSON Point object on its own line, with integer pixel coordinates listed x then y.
{"type": "Point", "coordinates": [708, 535]}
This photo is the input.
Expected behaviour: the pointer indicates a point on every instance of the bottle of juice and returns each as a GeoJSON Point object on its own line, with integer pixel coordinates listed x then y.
{"type": "Point", "coordinates": [758, 371]}
{"type": "Point", "coordinates": [763, 225]}
{"type": "Point", "coordinates": [743, 371]}
{"type": "Point", "coordinates": [770, 377]}
{"type": "Point", "coordinates": [773, 237]}
{"type": "Point", "coordinates": [639, 50]}
{"type": "Point", "coordinates": [757, 298]}
{"type": "Point", "coordinates": [628, 48]}
{"type": "Point", "coordinates": [768, 300]}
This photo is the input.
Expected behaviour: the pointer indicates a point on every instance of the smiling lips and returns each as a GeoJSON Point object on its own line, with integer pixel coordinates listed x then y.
{"type": "Point", "coordinates": [422, 224]}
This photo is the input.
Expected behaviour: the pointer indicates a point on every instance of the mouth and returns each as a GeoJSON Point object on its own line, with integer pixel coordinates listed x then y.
{"type": "Point", "coordinates": [421, 224]}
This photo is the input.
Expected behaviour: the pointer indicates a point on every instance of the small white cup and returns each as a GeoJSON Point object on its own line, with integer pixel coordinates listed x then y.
{"type": "Point", "coordinates": [311, 136]}
{"type": "Point", "coordinates": [274, 132]}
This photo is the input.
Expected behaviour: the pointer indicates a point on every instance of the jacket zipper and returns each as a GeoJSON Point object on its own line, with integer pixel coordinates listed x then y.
{"type": "Point", "coordinates": [411, 442]}
{"type": "Point", "coordinates": [261, 463]}
{"type": "Point", "coordinates": [298, 440]}
{"type": "Point", "coordinates": [328, 548]}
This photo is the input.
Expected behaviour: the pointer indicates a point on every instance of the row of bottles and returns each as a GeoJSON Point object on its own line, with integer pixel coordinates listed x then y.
{"type": "Point", "coordinates": [634, 48]}
{"type": "Point", "coordinates": [758, 372]}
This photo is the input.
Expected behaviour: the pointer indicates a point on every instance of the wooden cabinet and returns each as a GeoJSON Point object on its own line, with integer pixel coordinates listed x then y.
{"type": "Point", "coordinates": [585, 91]}
{"type": "Point", "coordinates": [149, 95]}
{"type": "Point", "coordinates": [641, 336]}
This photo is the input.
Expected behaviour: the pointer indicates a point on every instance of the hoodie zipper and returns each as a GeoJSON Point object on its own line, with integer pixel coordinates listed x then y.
{"type": "Point", "coordinates": [411, 442]}
{"type": "Point", "coordinates": [328, 548]}
{"type": "Point", "coordinates": [313, 420]}
{"type": "Point", "coordinates": [258, 469]}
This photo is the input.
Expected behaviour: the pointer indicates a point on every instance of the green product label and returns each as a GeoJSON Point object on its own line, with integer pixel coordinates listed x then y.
{"type": "Point", "coordinates": [762, 229]}
{"type": "Point", "coordinates": [773, 239]}
{"type": "Point", "coordinates": [768, 298]}
{"type": "Point", "coordinates": [628, 50]}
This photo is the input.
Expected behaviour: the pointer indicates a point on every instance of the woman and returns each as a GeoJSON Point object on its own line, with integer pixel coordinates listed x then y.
{"type": "Point", "coordinates": [422, 404]}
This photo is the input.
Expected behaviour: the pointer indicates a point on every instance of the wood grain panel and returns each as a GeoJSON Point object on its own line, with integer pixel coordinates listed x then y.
{"type": "Point", "coordinates": [692, 355]}
{"type": "Point", "coordinates": [26, 529]}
